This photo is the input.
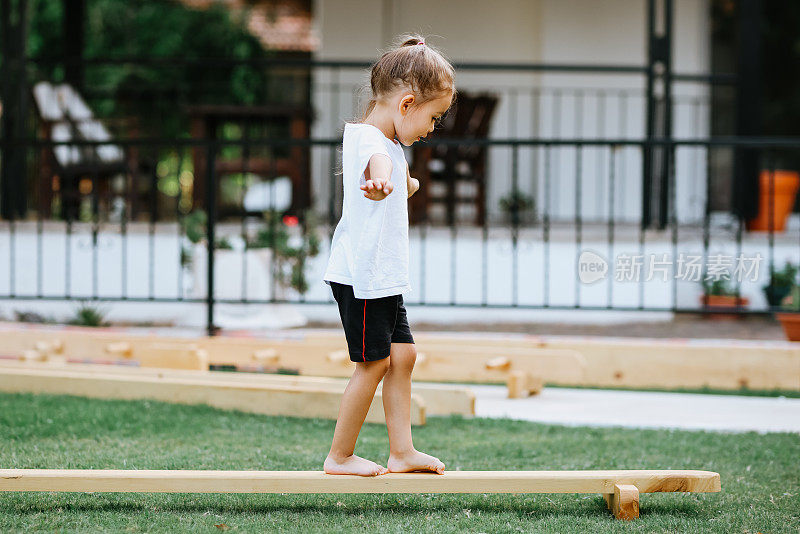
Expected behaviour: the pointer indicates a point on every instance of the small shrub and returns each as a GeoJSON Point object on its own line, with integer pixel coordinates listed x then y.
{"type": "Point", "coordinates": [721, 287]}
{"type": "Point", "coordinates": [88, 315]}
{"type": "Point", "coordinates": [780, 283]}
{"type": "Point", "coordinates": [32, 317]}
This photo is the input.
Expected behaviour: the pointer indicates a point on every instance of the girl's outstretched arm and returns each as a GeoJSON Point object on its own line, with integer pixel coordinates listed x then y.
{"type": "Point", "coordinates": [378, 178]}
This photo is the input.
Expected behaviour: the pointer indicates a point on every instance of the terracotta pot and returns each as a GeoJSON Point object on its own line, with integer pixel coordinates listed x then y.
{"type": "Point", "coordinates": [785, 186]}
{"type": "Point", "coordinates": [791, 325]}
{"type": "Point", "coordinates": [723, 303]}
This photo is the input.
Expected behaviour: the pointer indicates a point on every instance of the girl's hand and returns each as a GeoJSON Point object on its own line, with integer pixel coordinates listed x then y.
{"type": "Point", "coordinates": [377, 189]}
{"type": "Point", "coordinates": [412, 184]}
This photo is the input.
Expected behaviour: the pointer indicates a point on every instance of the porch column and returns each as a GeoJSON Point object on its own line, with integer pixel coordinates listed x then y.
{"type": "Point", "coordinates": [748, 109]}
{"type": "Point", "coordinates": [14, 97]}
{"type": "Point", "coordinates": [74, 38]}
{"type": "Point", "coordinates": [656, 159]}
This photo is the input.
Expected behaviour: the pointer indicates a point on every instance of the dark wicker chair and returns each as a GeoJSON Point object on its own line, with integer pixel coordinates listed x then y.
{"type": "Point", "coordinates": [445, 170]}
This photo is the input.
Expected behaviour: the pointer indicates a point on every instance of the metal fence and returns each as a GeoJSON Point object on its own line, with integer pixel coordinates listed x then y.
{"type": "Point", "coordinates": [544, 101]}
{"type": "Point", "coordinates": [511, 263]}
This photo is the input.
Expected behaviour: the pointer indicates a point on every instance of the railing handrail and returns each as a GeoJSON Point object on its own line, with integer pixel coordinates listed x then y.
{"type": "Point", "coordinates": [609, 68]}
{"type": "Point", "coordinates": [343, 63]}
{"type": "Point", "coordinates": [747, 142]}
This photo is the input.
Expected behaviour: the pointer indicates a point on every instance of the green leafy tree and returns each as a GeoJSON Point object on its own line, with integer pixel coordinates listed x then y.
{"type": "Point", "coordinates": [154, 91]}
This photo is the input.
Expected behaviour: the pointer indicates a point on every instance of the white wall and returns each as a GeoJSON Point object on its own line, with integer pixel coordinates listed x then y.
{"type": "Point", "coordinates": [534, 105]}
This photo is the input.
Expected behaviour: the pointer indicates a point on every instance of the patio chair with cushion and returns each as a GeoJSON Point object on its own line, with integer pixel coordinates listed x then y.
{"type": "Point", "coordinates": [64, 116]}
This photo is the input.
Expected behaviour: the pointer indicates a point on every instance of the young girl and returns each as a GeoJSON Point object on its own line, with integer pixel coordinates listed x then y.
{"type": "Point", "coordinates": [412, 87]}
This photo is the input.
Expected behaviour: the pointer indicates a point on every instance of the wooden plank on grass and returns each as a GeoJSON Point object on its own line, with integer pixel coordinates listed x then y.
{"type": "Point", "coordinates": [457, 362]}
{"type": "Point", "coordinates": [210, 481]}
{"type": "Point", "coordinates": [267, 399]}
{"type": "Point", "coordinates": [440, 399]}
{"type": "Point", "coordinates": [619, 488]}
{"type": "Point", "coordinates": [622, 362]}
{"type": "Point", "coordinates": [661, 363]}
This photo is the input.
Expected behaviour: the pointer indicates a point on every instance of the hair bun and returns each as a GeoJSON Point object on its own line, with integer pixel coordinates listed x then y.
{"type": "Point", "coordinates": [412, 41]}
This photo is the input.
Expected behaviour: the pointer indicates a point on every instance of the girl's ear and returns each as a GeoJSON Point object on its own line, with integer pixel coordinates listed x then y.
{"type": "Point", "coordinates": [406, 102]}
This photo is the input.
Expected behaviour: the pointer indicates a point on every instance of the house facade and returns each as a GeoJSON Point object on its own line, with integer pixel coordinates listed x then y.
{"type": "Point", "coordinates": [535, 103]}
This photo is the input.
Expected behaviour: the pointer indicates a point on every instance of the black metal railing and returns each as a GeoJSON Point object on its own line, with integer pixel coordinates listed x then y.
{"type": "Point", "coordinates": [519, 261]}
{"type": "Point", "coordinates": [582, 152]}
{"type": "Point", "coordinates": [617, 104]}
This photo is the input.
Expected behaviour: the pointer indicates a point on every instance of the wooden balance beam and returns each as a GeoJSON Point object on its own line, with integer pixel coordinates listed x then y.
{"type": "Point", "coordinates": [661, 363]}
{"type": "Point", "coordinates": [620, 488]}
{"type": "Point", "coordinates": [267, 399]}
{"type": "Point", "coordinates": [523, 369]}
{"type": "Point", "coordinates": [439, 399]}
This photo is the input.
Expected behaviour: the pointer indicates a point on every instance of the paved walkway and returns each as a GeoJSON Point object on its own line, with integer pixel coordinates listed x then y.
{"type": "Point", "coordinates": [639, 409]}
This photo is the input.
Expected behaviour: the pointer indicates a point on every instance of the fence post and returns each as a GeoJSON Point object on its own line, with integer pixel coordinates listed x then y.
{"type": "Point", "coordinates": [13, 94]}
{"type": "Point", "coordinates": [747, 160]}
{"type": "Point", "coordinates": [211, 207]}
{"type": "Point", "coordinates": [659, 113]}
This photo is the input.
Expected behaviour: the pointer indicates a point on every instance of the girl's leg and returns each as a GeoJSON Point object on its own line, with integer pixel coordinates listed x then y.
{"type": "Point", "coordinates": [397, 407]}
{"type": "Point", "coordinates": [353, 410]}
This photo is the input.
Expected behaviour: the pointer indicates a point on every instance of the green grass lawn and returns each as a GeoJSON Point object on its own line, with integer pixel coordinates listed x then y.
{"type": "Point", "coordinates": [760, 473]}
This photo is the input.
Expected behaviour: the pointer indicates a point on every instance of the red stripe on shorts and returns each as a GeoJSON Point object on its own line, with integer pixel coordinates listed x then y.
{"type": "Point", "coordinates": [364, 332]}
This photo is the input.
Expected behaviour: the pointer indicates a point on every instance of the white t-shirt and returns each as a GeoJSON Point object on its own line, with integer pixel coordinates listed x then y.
{"type": "Point", "coordinates": [369, 249]}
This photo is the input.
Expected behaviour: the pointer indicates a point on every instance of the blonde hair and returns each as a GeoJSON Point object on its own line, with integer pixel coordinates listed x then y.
{"type": "Point", "coordinates": [411, 63]}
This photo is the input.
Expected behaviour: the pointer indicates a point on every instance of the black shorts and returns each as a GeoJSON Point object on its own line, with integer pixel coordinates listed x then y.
{"type": "Point", "coordinates": [371, 325]}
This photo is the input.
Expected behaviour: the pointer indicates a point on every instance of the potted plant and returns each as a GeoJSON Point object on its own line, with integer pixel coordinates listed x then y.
{"type": "Point", "coordinates": [721, 295]}
{"type": "Point", "coordinates": [790, 318]}
{"type": "Point", "coordinates": [284, 237]}
{"type": "Point", "coordinates": [231, 263]}
{"type": "Point", "coordinates": [780, 283]}
{"type": "Point", "coordinates": [292, 244]}
{"type": "Point", "coordinates": [517, 202]}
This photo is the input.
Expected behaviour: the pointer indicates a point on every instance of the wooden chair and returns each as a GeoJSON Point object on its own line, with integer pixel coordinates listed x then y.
{"type": "Point", "coordinates": [444, 170]}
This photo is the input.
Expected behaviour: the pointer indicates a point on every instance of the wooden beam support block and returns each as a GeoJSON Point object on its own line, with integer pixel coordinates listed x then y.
{"type": "Point", "coordinates": [624, 502]}
{"type": "Point", "coordinates": [535, 384]}
{"type": "Point", "coordinates": [339, 356]}
{"type": "Point", "coordinates": [120, 348]}
{"type": "Point", "coordinates": [32, 356]}
{"type": "Point", "coordinates": [47, 347]}
{"type": "Point", "coordinates": [517, 384]}
{"type": "Point", "coordinates": [522, 384]}
{"type": "Point", "coordinates": [501, 363]}
{"type": "Point", "coordinates": [266, 356]}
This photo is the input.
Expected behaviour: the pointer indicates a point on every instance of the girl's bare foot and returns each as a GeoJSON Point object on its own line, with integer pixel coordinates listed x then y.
{"type": "Point", "coordinates": [352, 465]}
{"type": "Point", "coordinates": [414, 461]}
